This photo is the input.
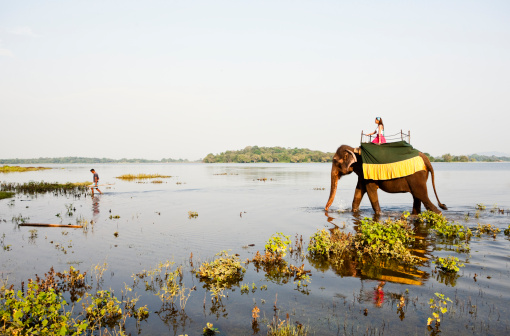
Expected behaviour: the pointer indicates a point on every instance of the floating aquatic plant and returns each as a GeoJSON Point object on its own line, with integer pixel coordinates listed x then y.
{"type": "Point", "coordinates": [131, 177]}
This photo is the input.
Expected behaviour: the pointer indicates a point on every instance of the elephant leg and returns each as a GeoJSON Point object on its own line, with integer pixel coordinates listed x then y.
{"type": "Point", "coordinates": [419, 192]}
{"type": "Point", "coordinates": [359, 192]}
{"type": "Point", "coordinates": [374, 199]}
{"type": "Point", "coordinates": [416, 206]}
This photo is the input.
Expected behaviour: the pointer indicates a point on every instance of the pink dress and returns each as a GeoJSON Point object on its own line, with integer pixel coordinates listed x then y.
{"type": "Point", "coordinates": [376, 140]}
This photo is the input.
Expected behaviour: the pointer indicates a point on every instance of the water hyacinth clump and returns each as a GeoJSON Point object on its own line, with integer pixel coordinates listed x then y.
{"type": "Point", "coordinates": [391, 238]}
{"type": "Point", "coordinates": [442, 227]}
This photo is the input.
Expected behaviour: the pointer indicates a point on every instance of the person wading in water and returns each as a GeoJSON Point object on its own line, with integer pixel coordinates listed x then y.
{"type": "Point", "coordinates": [96, 180]}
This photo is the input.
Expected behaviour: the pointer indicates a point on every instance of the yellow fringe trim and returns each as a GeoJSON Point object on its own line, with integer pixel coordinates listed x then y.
{"type": "Point", "coordinates": [393, 170]}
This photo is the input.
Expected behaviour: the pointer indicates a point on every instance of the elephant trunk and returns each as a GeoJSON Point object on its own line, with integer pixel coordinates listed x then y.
{"type": "Point", "coordinates": [334, 183]}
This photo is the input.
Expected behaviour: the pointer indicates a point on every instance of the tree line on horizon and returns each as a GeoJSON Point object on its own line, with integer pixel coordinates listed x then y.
{"type": "Point", "coordinates": [253, 154]}
{"type": "Point", "coordinates": [75, 159]}
{"type": "Point", "coordinates": [269, 154]}
{"type": "Point", "coordinates": [250, 154]}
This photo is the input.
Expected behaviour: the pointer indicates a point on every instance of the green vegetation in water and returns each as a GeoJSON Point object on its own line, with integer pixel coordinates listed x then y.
{"type": "Point", "coordinates": [277, 269]}
{"type": "Point", "coordinates": [480, 206]}
{"type": "Point", "coordinates": [209, 330]}
{"type": "Point", "coordinates": [278, 244]}
{"type": "Point", "coordinates": [221, 273]}
{"type": "Point", "coordinates": [486, 229]}
{"type": "Point", "coordinates": [449, 264]}
{"type": "Point", "coordinates": [131, 177]}
{"type": "Point", "coordinates": [5, 247]}
{"type": "Point", "coordinates": [269, 154]}
{"type": "Point", "coordinates": [388, 239]}
{"type": "Point", "coordinates": [17, 169]}
{"type": "Point", "coordinates": [440, 225]}
{"type": "Point", "coordinates": [6, 194]}
{"type": "Point", "coordinates": [42, 310]}
{"type": "Point", "coordinates": [42, 187]}
{"type": "Point", "coordinates": [439, 306]}
{"type": "Point", "coordinates": [330, 244]}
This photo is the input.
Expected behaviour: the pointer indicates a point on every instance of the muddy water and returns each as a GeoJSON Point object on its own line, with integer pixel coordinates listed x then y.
{"type": "Point", "coordinates": [236, 207]}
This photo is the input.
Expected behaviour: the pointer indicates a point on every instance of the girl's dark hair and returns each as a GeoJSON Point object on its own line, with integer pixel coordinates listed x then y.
{"type": "Point", "coordinates": [380, 121]}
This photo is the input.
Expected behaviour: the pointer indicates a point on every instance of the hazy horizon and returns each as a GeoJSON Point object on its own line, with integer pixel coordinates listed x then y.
{"type": "Point", "coordinates": [173, 79]}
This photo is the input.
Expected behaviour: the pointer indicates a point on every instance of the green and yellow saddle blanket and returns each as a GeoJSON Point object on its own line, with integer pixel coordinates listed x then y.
{"type": "Point", "coordinates": [390, 160]}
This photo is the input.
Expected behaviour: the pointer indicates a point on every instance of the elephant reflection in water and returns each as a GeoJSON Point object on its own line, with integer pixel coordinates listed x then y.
{"type": "Point", "coordinates": [348, 263]}
{"type": "Point", "coordinates": [347, 160]}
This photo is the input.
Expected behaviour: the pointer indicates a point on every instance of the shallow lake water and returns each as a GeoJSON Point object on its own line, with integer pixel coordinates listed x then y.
{"type": "Point", "coordinates": [239, 205]}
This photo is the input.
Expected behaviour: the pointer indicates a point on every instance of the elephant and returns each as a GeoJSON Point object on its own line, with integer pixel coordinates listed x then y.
{"type": "Point", "coordinates": [348, 159]}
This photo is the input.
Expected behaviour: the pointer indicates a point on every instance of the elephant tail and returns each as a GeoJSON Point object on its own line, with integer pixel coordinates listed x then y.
{"type": "Point", "coordinates": [429, 167]}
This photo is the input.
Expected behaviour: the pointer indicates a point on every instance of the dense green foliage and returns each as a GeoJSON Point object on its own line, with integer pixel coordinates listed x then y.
{"type": "Point", "coordinates": [75, 159]}
{"type": "Point", "coordinates": [269, 154]}
{"type": "Point", "coordinates": [467, 158]}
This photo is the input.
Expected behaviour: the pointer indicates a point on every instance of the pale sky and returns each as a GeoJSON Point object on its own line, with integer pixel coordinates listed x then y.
{"type": "Point", "coordinates": [181, 79]}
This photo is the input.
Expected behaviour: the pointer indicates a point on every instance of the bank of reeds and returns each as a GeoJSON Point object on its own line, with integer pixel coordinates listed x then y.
{"type": "Point", "coordinates": [131, 177]}
{"type": "Point", "coordinates": [42, 187]}
{"type": "Point", "coordinates": [6, 194]}
{"type": "Point", "coordinates": [14, 169]}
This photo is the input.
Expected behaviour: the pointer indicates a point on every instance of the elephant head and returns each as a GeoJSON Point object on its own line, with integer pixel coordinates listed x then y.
{"type": "Point", "coordinates": [344, 162]}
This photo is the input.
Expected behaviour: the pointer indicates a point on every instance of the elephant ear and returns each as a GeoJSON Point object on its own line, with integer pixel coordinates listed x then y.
{"type": "Point", "coordinates": [351, 158]}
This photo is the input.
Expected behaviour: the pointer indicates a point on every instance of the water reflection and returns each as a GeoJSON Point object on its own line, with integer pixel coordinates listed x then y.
{"type": "Point", "coordinates": [95, 208]}
{"type": "Point", "coordinates": [348, 264]}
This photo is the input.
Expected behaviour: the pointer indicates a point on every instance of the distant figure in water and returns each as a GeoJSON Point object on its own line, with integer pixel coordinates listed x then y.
{"type": "Point", "coordinates": [379, 139]}
{"type": "Point", "coordinates": [96, 180]}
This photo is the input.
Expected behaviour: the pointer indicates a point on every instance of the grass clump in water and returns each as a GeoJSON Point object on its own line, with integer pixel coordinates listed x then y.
{"type": "Point", "coordinates": [131, 177]}
{"type": "Point", "coordinates": [45, 187]}
{"type": "Point", "coordinates": [6, 194]}
{"type": "Point", "coordinates": [18, 169]}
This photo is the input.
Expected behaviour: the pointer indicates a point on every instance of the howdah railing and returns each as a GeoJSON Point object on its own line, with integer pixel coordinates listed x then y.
{"type": "Point", "coordinates": [389, 138]}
